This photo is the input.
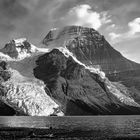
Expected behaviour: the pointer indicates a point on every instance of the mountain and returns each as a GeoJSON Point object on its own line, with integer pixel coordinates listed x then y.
{"type": "Point", "coordinates": [58, 80]}
{"type": "Point", "coordinates": [91, 48]}
{"type": "Point", "coordinates": [79, 89]}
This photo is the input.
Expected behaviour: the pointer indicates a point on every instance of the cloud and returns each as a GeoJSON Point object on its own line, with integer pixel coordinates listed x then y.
{"type": "Point", "coordinates": [134, 26]}
{"type": "Point", "coordinates": [83, 15]}
{"type": "Point", "coordinates": [10, 12]}
{"type": "Point", "coordinates": [133, 32]}
{"type": "Point", "coordinates": [114, 35]}
{"type": "Point", "coordinates": [111, 27]}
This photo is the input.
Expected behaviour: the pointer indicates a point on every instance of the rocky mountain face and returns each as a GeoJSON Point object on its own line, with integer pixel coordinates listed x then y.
{"type": "Point", "coordinates": [91, 48]}
{"type": "Point", "coordinates": [65, 77]}
{"type": "Point", "coordinates": [79, 91]}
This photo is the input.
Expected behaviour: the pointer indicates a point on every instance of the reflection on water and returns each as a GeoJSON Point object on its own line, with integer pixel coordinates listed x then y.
{"type": "Point", "coordinates": [97, 127]}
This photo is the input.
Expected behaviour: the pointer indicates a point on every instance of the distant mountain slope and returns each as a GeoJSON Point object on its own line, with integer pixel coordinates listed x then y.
{"type": "Point", "coordinates": [90, 48]}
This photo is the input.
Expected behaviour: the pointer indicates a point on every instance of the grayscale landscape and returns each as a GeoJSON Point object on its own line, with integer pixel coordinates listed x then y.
{"type": "Point", "coordinates": [69, 69]}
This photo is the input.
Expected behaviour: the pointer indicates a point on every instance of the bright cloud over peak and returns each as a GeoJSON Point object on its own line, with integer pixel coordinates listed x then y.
{"type": "Point", "coordinates": [83, 15]}
{"type": "Point", "coordinates": [134, 28]}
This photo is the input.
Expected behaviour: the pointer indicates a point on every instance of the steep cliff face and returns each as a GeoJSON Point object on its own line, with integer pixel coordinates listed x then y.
{"type": "Point", "coordinates": [91, 48]}
{"type": "Point", "coordinates": [80, 91]}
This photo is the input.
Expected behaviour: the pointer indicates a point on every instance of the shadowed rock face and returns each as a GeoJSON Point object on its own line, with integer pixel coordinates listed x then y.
{"type": "Point", "coordinates": [91, 48]}
{"type": "Point", "coordinates": [79, 91]}
{"type": "Point", "coordinates": [6, 110]}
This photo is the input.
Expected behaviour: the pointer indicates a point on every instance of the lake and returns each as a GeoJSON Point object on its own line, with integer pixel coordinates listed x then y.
{"type": "Point", "coordinates": [78, 128]}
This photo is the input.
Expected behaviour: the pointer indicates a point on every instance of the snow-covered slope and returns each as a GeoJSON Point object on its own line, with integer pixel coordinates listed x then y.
{"type": "Point", "coordinates": [27, 96]}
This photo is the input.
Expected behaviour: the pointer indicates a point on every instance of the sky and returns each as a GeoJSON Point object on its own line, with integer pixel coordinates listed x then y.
{"type": "Point", "coordinates": [117, 20]}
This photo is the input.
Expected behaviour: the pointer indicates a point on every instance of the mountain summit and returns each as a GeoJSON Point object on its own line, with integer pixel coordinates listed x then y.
{"type": "Point", "coordinates": [91, 48]}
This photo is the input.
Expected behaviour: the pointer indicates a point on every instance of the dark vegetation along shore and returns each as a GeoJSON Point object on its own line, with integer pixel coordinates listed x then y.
{"type": "Point", "coordinates": [49, 134]}
{"type": "Point", "coordinates": [61, 134]}
{"type": "Point", "coordinates": [73, 128]}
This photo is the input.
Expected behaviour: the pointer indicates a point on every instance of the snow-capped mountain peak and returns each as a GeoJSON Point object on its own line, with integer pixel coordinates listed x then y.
{"type": "Point", "coordinates": [19, 49]}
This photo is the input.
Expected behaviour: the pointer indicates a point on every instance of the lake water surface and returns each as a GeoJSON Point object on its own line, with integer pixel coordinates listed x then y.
{"type": "Point", "coordinates": [87, 127]}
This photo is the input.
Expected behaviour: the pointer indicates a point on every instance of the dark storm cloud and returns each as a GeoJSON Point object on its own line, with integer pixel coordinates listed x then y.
{"type": "Point", "coordinates": [24, 18]}
{"type": "Point", "coordinates": [10, 10]}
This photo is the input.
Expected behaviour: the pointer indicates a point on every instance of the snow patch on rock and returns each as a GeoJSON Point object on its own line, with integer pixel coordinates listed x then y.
{"type": "Point", "coordinates": [5, 57]}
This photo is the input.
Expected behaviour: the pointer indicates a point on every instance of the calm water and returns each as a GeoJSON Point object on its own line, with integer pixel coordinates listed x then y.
{"type": "Point", "coordinates": [93, 127]}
